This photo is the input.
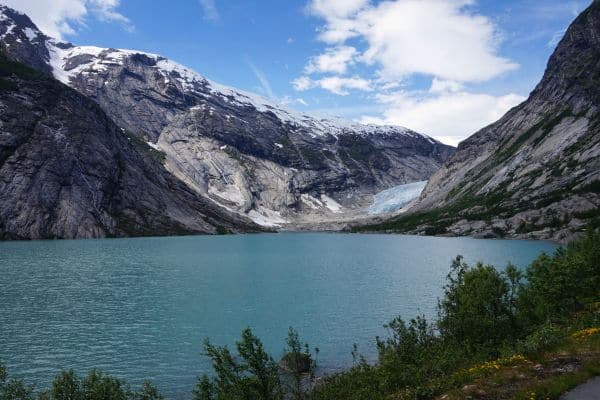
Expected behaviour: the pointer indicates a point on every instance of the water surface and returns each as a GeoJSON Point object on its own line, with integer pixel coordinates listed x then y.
{"type": "Point", "coordinates": [140, 308]}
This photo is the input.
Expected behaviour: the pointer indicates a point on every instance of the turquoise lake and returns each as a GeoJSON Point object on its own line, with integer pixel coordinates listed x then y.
{"type": "Point", "coordinates": [140, 308]}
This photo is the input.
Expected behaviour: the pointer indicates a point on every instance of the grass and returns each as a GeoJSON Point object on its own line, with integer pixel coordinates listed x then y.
{"type": "Point", "coordinates": [544, 375]}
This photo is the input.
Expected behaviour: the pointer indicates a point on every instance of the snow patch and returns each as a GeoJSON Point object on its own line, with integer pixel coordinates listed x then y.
{"type": "Point", "coordinates": [30, 33]}
{"type": "Point", "coordinates": [266, 217]}
{"type": "Point", "coordinates": [330, 203]}
{"type": "Point", "coordinates": [311, 201]}
{"type": "Point", "coordinates": [155, 146]}
{"type": "Point", "coordinates": [396, 198]}
{"type": "Point", "coordinates": [197, 84]}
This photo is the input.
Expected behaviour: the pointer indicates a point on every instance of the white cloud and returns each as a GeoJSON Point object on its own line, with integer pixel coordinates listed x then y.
{"type": "Point", "coordinates": [340, 85]}
{"type": "Point", "coordinates": [335, 8]}
{"type": "Point", "coordinates": [396, 41]}
{"type": "Point", "coordinates": [334, 84]}
{"type": "Point", "coordinates": [441, 86]}
{"type": "Point", "coordinates": [449, 117]}
{"type": "Point", "coordinates": [58, 17]}
{"type": "Point", "coordinates": [303, 83]}
{"type": "Point", "coordinates": [440, 38]}
{"type": "Point", "coordinates": [210, 10]}
{"type": "Point", "coordinates": [335, 60]}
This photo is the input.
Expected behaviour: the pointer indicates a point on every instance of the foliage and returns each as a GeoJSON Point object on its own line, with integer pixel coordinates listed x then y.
{"type": "Point", "coordinates": [563, 283]}
{"type": "Point", "coordinates": [476, 307]}
{"type": "Point", "coordinates": [297, 361]}
{"type": "Point", "coordinates": [251, 375]}
{"type": "Point", "coordinates": [544, 338]}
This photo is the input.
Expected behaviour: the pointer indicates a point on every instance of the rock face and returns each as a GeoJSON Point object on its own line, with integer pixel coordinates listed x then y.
{"type": "Point", "coordinates": [241, 151]}
{"type": "Point", "coordinates": [535, 172]}
{"type": "Point", "coordinates": [67, 171]}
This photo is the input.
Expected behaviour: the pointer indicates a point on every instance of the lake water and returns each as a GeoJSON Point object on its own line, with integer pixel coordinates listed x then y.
{"type": "Point", "coordinates": [140, 308]}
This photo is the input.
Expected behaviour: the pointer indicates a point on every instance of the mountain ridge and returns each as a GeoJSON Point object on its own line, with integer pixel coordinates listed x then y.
{"type": "Point", "coordinates": [246, 155]}
{"type": "Point", "coordinates": [67, 171]}
{"type": "Point", "coordinates": [534, 173]}
{"type": "Point", "coordinates": [243, 152]}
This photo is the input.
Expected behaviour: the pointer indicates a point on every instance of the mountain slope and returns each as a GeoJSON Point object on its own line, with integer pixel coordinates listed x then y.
{"type": "Point", "coordinates": [67, 171]}
{"type": "Point", "coordinates": [244, 152]}
{"type": "Point", "coordinates": [535, 172]}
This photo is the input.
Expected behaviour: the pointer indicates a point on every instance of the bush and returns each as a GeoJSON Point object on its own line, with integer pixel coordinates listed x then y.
{"type": "Point", "coordinates": [476, 309]}
{"type": "Point", "coordinates": [563, 283]}
{"type": "Point", "coordinates": [547, 337]}
{"type": "Point", "coordinates": [253, 374]}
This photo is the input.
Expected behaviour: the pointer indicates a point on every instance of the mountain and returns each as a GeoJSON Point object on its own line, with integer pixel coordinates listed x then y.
{"type": "Point", "coordinates": [536, 172]}
{"type": "Point", "coordinates": [243, 152]}
{"type": "Point", "coordinates": [67, 171]}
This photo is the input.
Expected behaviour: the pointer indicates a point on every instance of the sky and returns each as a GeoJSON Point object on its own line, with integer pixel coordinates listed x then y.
{"type": "Point", "coordinates": [445, 68]}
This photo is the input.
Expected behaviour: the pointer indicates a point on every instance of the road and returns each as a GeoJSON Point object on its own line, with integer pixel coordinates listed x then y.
{"type": "Point", "coordinates": [588, 391]}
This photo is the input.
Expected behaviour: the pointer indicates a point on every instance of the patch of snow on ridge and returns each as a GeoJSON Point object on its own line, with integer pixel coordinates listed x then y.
{"type": "Point", "coordinates": [30, 33]}
{"type": "Point", "coordinates": [396, 198]}
{"type": "Point", "coordinates": [191, 81]}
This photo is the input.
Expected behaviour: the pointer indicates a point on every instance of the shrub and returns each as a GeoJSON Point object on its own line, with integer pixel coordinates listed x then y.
{"type": "Point", "coordinates": [545, 338]}
{"type": "Point", "coordinates": [476, 308]}
{"type": "Point", "coordinates": [253, 374]}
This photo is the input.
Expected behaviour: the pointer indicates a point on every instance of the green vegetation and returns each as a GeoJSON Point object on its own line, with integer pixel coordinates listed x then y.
{"type": "Point", "coordinates": [508, 334]}
{"type": "Point", "coordinates": [484, 208]}
{"type": "Point", "coordinates": [68, 386]}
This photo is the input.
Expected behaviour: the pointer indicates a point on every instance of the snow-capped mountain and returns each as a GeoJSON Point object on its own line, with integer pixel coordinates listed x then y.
{"type": "Point", "coordinates": [244, 152]}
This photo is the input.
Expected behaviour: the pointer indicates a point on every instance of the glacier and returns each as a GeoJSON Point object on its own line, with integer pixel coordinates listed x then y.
{"type": "Point", "coordinates": [396, 198]}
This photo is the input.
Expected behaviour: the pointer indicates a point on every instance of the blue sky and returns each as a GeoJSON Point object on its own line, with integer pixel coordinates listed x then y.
{"type": "Point", "coordinates": [441, 67]}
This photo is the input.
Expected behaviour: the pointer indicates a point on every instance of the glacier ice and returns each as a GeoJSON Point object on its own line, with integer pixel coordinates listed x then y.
{"type": "Point", "coordinates": [395, 198]}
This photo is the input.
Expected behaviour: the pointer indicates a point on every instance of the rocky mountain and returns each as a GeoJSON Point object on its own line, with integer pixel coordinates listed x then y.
{"type": "Point", "coordinates": [67, 171]}
{"type": "Point", "coordinates": [536, 172]}
{"type": "Point", "coordinates": [243, 152]}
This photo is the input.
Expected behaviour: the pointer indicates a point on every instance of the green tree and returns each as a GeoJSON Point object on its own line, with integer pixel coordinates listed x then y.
{"type": "Point", "coordinates": [564, 282]}
{"type": "Point", "coordinates": [476, 307]}
{"type": "Point", "coordinates": [254, 377]}
{"type": "Point", "coordinates": [66, 386]}
{"type": "Point", "coordinates": [13, 389]}
{"type": "Point", "coordinates": [97, 386]}
{"type": "Point", "coordinates": [297, 363]}
{"type": "Point", "coordinates": [148, 392]}
{"type": "Point", "coordinates": [205, 389]}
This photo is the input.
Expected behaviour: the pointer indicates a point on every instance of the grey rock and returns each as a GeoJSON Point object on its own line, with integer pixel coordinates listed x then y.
{"type": "Point", "coordinates": [538, 168]}
{"type": "Point", "coordinates": [67, 171]}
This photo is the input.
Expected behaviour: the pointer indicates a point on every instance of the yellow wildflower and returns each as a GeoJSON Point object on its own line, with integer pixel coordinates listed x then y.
{"type": "Point", "coordinates": [585, 334]}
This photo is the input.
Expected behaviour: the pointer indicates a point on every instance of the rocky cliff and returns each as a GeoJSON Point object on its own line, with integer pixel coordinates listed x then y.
{"type": "Point", "coordinates": [243, 152]}
{"type": "Point", "coordinates": [536, 172]}
{"type": "Point", "coordinates": [67, 171]}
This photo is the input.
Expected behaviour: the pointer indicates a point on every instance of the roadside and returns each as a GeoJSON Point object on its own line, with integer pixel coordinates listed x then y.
{"type": "Point", "coordinates": [588, 391]}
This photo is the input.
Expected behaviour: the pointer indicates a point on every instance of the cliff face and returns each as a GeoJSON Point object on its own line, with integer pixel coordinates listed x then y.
{"type": "Point", "coordinates": [242, 151]}
{"type": "Point", "coordinates": [535, 172]}
{"type": "Point", "coordinates": [67, 171]}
